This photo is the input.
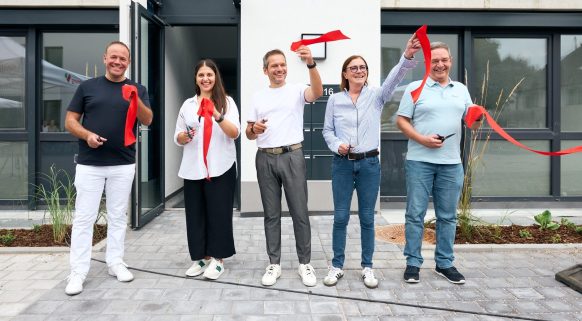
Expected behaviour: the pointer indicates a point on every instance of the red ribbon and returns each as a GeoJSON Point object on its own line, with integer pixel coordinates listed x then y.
{"type": "Point", "coordinates": [425, 45]}
{"type": "Point", "coordinates": [475, 112]}
{"type": "Point", "coordinates": [129, 93]}
{"type": "Point", "coordinates": [330, 36]}
{"type": "Point", "coordinates": [206, 110]}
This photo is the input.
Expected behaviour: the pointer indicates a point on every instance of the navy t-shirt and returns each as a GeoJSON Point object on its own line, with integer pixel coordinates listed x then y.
{"type": "Point", "coordinates": [103, 110]}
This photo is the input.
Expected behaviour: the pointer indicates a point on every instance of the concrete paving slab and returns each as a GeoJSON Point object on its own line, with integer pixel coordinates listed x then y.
{"type": "Point", "coordinates": [514, 280]}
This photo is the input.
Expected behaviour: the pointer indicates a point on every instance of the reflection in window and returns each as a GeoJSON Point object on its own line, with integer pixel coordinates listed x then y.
{"type": "Point", "coordinates": [507, 170]}
{"type": "Point", "coordinates": [511, 59]}
{"type": "Point", "coordinates": [571, 173]}
{"type": "Point", "coordinates": [13, 170]}
{"type": "Point", "coordinates": [68, 59]}
{"type": "Point", "coordinates": [392, 49]}
{"type": "Point", "coordinates": [571, 82]}
{"type": "Point", "coordinates": [12, 71]}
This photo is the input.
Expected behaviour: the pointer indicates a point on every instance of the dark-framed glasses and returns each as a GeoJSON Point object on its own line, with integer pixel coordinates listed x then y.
{"type": "Point", "coordinates": [355, 69]}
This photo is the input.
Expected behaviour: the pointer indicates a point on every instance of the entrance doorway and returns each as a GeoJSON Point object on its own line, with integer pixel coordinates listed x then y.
{"type": "Point", "coordinates": [184, 47]}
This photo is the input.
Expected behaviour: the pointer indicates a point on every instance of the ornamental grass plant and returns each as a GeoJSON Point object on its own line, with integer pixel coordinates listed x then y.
{"type": "Point", "coordinates": [56, 189]}
{"type": "Point", "coordinates": [474, 150]}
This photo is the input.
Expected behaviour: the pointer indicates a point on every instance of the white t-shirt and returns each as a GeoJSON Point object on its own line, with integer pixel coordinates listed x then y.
{"type": "Point", "coordinates": [283, 109]}
{"type": "Point", "coordinates": [221, 151]}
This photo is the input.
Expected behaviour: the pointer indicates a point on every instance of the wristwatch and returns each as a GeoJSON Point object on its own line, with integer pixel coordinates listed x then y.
{"type": "Point", "coordinates": [311, 66]}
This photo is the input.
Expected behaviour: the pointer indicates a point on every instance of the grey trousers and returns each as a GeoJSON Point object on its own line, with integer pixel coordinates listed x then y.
{"type": "Point", "coordinates": [288, 171]}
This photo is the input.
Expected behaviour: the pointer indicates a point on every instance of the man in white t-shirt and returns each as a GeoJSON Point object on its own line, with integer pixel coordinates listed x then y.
{"type": "Point", "coordinates": [275, 120]}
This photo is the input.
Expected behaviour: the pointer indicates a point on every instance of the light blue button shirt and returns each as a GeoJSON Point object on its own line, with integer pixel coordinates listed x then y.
{"type": "Point", "coordinates": [359, 124]}
{"type": "Point", "coordinates": [438, 110]}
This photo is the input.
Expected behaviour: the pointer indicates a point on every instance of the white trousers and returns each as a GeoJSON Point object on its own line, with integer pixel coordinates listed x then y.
{"type": "Point", "coordinates": [89, 182]}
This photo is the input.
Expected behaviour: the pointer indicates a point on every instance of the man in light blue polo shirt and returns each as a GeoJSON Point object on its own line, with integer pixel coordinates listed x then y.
{"type": "Point", "coordinates": [433, 163]}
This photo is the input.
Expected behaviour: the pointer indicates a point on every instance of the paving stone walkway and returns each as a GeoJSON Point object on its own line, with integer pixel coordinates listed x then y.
{"type": "Point", "coordinates": [508, 280]}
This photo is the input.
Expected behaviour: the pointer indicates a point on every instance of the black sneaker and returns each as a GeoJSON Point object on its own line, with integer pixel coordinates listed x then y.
{"type": "Point", "coordinates": [451, 274]}
{"type": "Point", "coordinates": [411, 274]}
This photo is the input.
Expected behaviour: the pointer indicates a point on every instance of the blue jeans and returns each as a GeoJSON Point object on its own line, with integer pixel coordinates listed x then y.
{"type": "Point", "coordinates": [364, 176]}
{"type": "Point", "coordinates": [445, 183]}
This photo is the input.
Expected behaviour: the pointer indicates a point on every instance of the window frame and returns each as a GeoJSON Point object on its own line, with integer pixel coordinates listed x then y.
{"type": "Point", "coordinates": [522, 24]}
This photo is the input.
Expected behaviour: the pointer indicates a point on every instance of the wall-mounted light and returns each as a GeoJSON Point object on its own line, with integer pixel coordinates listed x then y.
{"type": "Point", "coordinates": [318, 50]}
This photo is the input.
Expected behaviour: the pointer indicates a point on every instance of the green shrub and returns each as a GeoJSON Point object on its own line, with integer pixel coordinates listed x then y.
{"type": "Point", "coordinates": [544, 220]}
{"type": "Point", "coordinates": [525, 234]}
{"type": "Point", "coordinates": [7, 238]}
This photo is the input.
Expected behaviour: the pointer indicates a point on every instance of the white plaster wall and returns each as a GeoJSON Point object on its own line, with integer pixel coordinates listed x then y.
{"type": "Point", "coordinates": [484, 4]}
{"type": "Point", "coordinates": [269, 24]}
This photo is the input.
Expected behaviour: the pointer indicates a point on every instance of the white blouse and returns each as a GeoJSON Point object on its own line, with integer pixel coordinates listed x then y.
{"type": "Point", "coordinates": [222, 150]}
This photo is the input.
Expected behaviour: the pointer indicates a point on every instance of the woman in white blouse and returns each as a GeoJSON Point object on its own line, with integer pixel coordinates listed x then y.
{"type": "Point", "coordinates": [208, 186]}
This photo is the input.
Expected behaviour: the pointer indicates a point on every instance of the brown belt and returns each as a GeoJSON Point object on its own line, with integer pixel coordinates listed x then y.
{"type": "Point", "coordinates": [281, 150]}
{"type": "Point", "coordinates": [358, 156]}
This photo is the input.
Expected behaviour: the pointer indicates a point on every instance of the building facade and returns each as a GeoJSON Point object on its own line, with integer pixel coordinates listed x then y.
{"type": "Point", "coordinates": [48, 47]}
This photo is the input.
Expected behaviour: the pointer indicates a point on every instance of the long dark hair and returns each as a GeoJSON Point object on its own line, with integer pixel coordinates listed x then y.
{"type": "Point", "coordinates": [218, 92]}
{"type": "Point", "coordinates": [345, 84]}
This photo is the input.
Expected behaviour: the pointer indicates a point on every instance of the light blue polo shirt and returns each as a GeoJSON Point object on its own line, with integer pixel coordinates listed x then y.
{"type": "Point", "coordinates": [438, 110]}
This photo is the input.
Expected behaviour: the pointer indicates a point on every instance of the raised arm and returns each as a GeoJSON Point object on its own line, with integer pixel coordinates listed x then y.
{"type": "Point", "coordinates": [315, 90]}
{"type": "Point", "coordinates": [398, 72]}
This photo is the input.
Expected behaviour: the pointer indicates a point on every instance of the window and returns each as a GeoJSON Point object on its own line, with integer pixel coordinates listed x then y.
{"type": "Point", "coordinates": [68, 59]}
{"type": "Point", "coordinates": [571, 82]}
{"type": "Point", "coordinates": [12, 71]}
{"type": "Point", "coordinates": [505, 61]}
{"type": "Point", "coordinates": [392, 49]}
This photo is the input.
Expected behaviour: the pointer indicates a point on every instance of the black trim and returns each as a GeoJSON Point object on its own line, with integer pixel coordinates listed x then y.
{"type": "Point", "coordinates": [490, 19]}
{"type": "Point", "coordinates": [61, 16]}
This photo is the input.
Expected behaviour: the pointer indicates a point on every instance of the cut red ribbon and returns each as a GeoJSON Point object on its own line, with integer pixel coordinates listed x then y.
{"type": "Point", "coordinates": [326, 37]}
{"type": "Point", "coordinates": [475, 112]}
{"type": "Point", "coordinates": [129, 92]}
{"type": "Point", "coordinates": [425, 45]}
{"type": "Point", "coordinates": [206, 110]}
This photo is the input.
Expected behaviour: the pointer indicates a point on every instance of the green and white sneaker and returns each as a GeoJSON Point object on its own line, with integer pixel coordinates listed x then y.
{"type": "Point", "coordinates": [198, 268]}
{"type": "Point", "coordinates": [214, 269]}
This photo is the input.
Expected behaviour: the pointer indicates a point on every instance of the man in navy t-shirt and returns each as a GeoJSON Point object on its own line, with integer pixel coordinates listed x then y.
{"type": "Point", "coordinates": [103, 162]}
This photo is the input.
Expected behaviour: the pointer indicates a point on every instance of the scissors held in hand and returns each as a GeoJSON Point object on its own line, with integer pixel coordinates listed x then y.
{"type": "Point", "coordinates": [188, 128]}
{"type": "Point", "coordinates": [443, 138]}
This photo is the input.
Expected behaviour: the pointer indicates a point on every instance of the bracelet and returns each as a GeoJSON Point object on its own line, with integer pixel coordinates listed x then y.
{"type": "Point", "coordinates": [312, 65]}
{"type": "Point", "coordinates": [220, 119]}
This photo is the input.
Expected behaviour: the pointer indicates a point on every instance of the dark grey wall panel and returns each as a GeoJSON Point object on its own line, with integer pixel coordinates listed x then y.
{"type": "Point", "coordinates": [80, 17]}
{"type": "Point", "coordinates": [482, 18]}
{"type": "Point", "coordinates": [184, 12]}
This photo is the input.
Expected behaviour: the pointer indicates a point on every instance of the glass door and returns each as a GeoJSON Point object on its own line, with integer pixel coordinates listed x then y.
{"type": "Point", "coordinates": [147, 61]}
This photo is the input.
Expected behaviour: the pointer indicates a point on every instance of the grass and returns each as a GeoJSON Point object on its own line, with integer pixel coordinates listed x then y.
{"type": "Point", "coordinates": [59, 195]}
{"type": "Point", "coordinates": [475, 152]}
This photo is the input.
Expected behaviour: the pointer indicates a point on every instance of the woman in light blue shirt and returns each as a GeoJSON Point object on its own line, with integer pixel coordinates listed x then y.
{"type": "Point", "coordinates": [351, 131]}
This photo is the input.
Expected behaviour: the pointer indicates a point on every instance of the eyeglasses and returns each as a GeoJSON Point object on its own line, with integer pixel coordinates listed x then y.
{"type": "Point", "coordinates": [355, 69]}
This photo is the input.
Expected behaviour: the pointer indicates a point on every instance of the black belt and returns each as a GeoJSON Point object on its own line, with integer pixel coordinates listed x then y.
{"type": "Point", "coordinates": [358, 156]}
{"type": "Point", "coordinates": [281, 150]}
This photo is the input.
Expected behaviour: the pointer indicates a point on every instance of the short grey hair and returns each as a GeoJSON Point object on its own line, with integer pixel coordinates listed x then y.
{"type": "Point", "coordinates": [438, 45]}
{"type": "Point", "coordinates": [269, 54]}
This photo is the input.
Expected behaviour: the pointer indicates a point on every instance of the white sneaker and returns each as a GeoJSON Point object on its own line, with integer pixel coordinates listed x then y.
{"type": "Point", "coordinates": [369, 279]}
{"type": "Point", "coordinates": [333, 276]}
{"type": "Point", "coordinates": [272, 273]}
{"type": "Point", "coordinates": [307, 274]}
{"type": "Point", "coordinates": [75, 285]}
{"type": "Point", "coordinates": [214, 270]}
{"type": "Point", "coordinates": [120, 271]}
{"type": "Point", "coordinates": [198, 267]}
